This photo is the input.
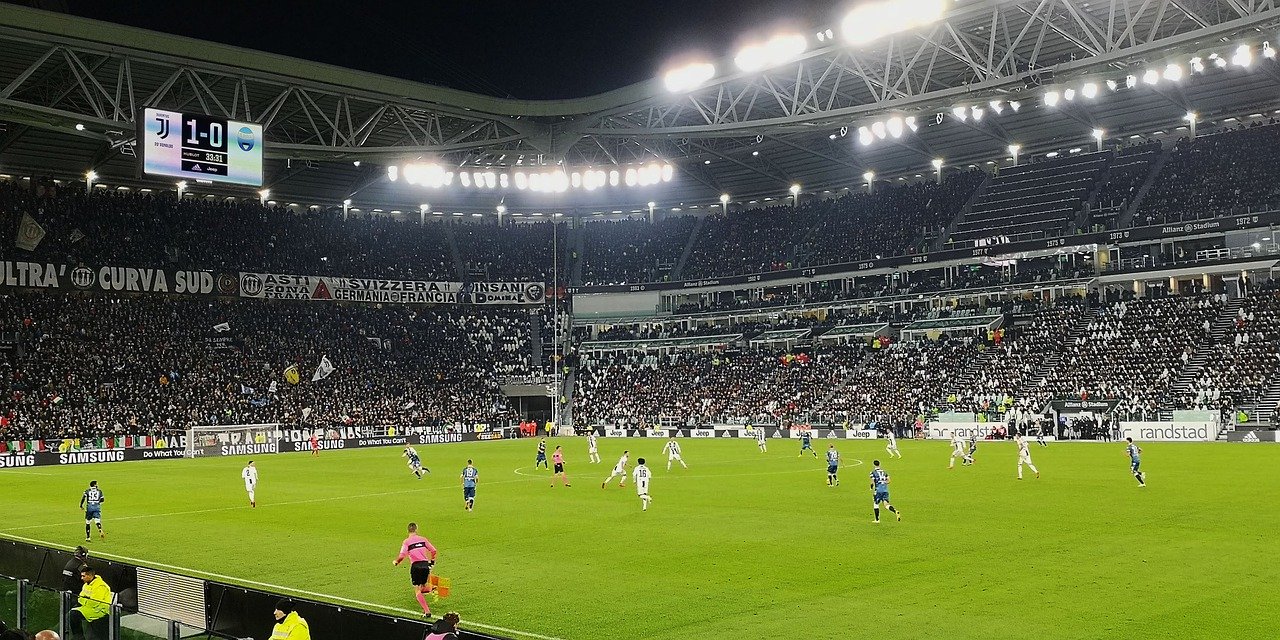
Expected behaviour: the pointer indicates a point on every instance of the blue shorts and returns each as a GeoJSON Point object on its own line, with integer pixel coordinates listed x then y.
{"type": "Point", "coordinates": [542, 457]}
{"type": "Point", "coordinates": [1133, 464]}
{"type": "Point", "coordinates": [831, 469]}
{"type": "Point", "coordinates": [468, 493]}
{"type": "Point", "coordinates": [881, 496]}
{"type": "Point", "coordinates": [93, 512]}
{"type": "Point", "coordinates": [805, 445]}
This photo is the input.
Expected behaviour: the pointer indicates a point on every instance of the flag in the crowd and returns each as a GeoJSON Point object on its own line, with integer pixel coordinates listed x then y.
{"type": "Point", "coordinates": [306, 413]}
{"type": "Point", "coordinates": [376, 341]}
{"type": "Point", "coordinates": [222, 327]}
{"type": "Point", "coordinates": [273, 387]}
{"type": "Point", "coordinates": [77, 235]}
{"type": "Point", "coordinates": [30, 233]}
{"type": "Point", "coordinates": [291, 374]}
{"type": "Point", "coordinates": [245, 391]}
{"type": "Point", "coordinates": [323, 370]}
{"type": "Point", "coordinates": [409, 406]}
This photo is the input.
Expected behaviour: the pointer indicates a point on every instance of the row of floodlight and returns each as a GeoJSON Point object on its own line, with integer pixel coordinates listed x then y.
{"type": "Point", "coordinates": [551, 181]}
{"type": "Point", "coordinates": [868, 22]}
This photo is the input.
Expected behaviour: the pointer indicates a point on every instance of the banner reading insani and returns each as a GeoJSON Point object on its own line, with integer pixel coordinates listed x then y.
{"type": "Point", "coordinates": [275, 286]}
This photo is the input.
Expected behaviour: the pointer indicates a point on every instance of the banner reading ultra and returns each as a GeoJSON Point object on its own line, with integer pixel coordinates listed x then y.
{"type": "Point", "coordinates": [279, 286]}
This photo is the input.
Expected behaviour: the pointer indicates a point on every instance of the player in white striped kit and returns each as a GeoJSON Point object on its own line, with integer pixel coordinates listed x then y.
{"type": "Point", "coordinates": [1024, 456]}
{"type": "Point", "coordinates": [673, 453]}
{"type": "Point", "coordinates": [760, 441]}
{"type": "Point", "coordinates": [591, 448]}
{"type": "Point", "coordinates": [958, 451]}
{"type": "Point", "coordinates": [641, 474]}
{"type": "Point", "coordinates": [892, 446]}
{"type": "Point", "coordinates": [619, 469]}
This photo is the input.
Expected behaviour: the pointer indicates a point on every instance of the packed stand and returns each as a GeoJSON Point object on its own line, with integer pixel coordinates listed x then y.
{"type": "Point", "coordinates": [96, 366]}
{"type": "Point", "coordinates": [1215, 175]}
{"type": "Point", "coordinates": [625, 251]}
{"type": "Point", "coordinates": [1240, 366]}
{"type": "Point", "coordinates": [1129, 171]}
{"type": "Point", "coordinates": [514, 252]}
{"type": "Point", "coordinates": [135, 229]}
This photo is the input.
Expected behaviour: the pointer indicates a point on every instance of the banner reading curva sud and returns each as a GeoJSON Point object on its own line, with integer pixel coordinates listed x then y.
{"type": "Point", "coordinates": [278, 286]}
{"type": "Point", "coordinates": [48, 275]}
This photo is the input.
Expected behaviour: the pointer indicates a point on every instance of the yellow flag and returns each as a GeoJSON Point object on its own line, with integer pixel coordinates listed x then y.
{"type": "Point", "coordinates": [291, 374]}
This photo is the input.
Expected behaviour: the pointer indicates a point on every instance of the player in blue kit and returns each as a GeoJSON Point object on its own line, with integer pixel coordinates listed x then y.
{"type": "Point", "coordinates": [833, 466]}
{"type": "Point", "coordinates": [1135, 461]}
{"type": "Point", "coordinates": [806, 442]}
{"type": "Point", "coordinates": [415, 463]}
{"type": "Point", "coordinates": [880, 485]}
{"type": "Point", "coordinates": [542, 454]}
{"type": "Point", "coordinates": [91, 503]}
{"type": "Point", "coordinates": [469, 475]}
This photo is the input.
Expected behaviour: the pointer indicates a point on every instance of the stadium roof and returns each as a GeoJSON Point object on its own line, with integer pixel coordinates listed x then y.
{"type": "Point", "coordinates": [751, 135]}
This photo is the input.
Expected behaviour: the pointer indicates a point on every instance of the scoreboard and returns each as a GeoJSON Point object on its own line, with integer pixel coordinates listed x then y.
{"type": "Point", "coordinates": [200, 147]}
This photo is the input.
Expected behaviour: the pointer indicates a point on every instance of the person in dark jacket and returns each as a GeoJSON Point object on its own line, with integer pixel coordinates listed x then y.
{"type": "Point", "coordinates": [446, 628]}
{"type": "Point", "coordinates": [71, 571]}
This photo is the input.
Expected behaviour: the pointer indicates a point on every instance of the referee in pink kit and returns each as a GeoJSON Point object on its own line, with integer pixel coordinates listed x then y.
{"type": "Point", "coordinates": [421, 554]}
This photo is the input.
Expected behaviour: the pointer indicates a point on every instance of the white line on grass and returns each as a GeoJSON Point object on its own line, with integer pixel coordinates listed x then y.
{"type": "Point", "coordinates": [239, 507]}
{"type": "Point", "coordinates": [275, 587]}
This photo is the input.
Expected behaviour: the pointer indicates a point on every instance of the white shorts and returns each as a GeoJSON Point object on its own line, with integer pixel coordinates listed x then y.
{"type": "Point", "coordinates": [248, 486]}
{"type": "Point", "coordinates": [642, 488]}
{"type": "Point", "coordinates": [591, 449]}
{"type": "Point", "coordinates": [1024, 458]}
{"type": "Point", "coordinates": [674, 456]}
{"type": "Point", "coordinates": [893, 444]}
{"type": "Point", "coordinates": [618, 471]}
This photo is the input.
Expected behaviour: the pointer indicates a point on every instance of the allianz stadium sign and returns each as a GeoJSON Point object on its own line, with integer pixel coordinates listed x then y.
{"type": "Point", "coordinates": [278, 286]}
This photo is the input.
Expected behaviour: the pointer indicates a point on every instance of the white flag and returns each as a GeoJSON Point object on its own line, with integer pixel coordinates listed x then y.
{"type": "Point", "coordinates": [323, 370]}
{"type": "Point", "coordinates": [223, 327]}
{"type": "Point", "coordinates": [30, 233]}
{"type": "Point", "coordinates": [306, 413]}
{"type": "Point", "coordinates": [273, 387]}
{"type": "Point", "coordinates": [77, 235]}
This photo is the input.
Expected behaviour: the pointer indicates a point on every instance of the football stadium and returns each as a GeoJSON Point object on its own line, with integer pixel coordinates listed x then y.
{"type": "Point", "coordinates": [883, 318]}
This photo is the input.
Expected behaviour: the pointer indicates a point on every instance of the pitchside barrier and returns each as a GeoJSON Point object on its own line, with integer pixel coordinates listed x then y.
{"type": "Point", "coordinates": [734, 431]}
{"type": "Point", "coordinates": [149, 603]}
{"type": "Point", "coordinates": [1142, 431]}
{"type": "Point", "coordinates": [285, 441]}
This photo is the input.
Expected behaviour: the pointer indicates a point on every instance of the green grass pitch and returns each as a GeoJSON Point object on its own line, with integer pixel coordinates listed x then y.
{"type": "Point", "coordinates": [741, 544]}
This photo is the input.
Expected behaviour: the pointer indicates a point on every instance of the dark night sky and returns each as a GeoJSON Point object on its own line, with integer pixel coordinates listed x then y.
{"type": "Point", "coordinates": [532, 50]}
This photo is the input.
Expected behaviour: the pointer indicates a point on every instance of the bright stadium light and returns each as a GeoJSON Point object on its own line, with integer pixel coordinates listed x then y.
{"type": "Point", "coordinates": [1015, 105]}
{"type": "Point", "coordinates": [1267, 51]}
{"type": "Point", "coordinates": [960, 113]}
{"type": "Point", "coordinates": [1098, 135]}
{"type": "Point", "coordinates": [865, 136]}
{"type": "Point", "coordinates": [264, 195]}
{"type": "Point", "coordinates": [894, 125]}
{"type": "Point", "coordinates": [393, 173]}
{"type": "Point", "coordinates": [1089, 90]}
{"type": "Point", "coordinates": [869, 177]}
{"type": "Point", "coordinates": [502, 208]}
{"type": "Point", "coordinates": [1217, 60]}
{"type": "Point", "coordinates": [878, 128]}
{"type": "Point", "coordinates": [977, 113]}
{"type": "Point", "coordinates": [911, 122]}
{"type": "Point", "coordinates": [937, 168]}
{"type": "Point", "coordinates": [875, 20]}
{"type": "Point", "coordinates": [1151, 76]}
{"type": "Point", "coordinates": [79, 127]}
{"type": "Point", "coordinates": [1069, 95]}
{"type": "Point", "coordinates": [1192, 118]}
{"type": "Point", "coordinates": [1130, 81]}
{"type": "Point", "coordinates": [996, 106]}
{"type": "Point", "coordinates": [89, 179]}
{"type": "Point", "coordinates": [1173, 73]}
{"type": "Point", "coordinates": [464, 179]}
{"type": "Point", "coordinates": [688, 77]}
{"type": "Point", "coordinates": [724, 202]}
{"type": "Point", "coordinates": [614, 176]}
{"type": "Point", "coordinates": [1013, 151]}
{"type": "Point", "coordinates": [777, 50]}
{"type": "Point", "coordinates": [1243, 56]}
{"type": "Point", "coordinates": [1051, 98]}
{"type": "Point", "coordinates": [1197, 65]}
{"type": "Point", "coordinates": [1112, 85]}
{"type": "Point", "coordinates": [795, 189]}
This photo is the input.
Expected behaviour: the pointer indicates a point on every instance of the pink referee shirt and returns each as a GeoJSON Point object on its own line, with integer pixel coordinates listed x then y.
{"type": "Point", "coordinates": [416, 548]}
{"type": "Point", "coordinates": [558, 457]}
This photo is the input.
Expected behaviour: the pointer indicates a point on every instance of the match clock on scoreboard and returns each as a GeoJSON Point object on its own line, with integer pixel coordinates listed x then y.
{"type": "Point", "coordinates": [200, 147]}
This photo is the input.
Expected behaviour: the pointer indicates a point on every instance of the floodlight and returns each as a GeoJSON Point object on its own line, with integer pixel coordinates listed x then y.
{"type": "Point", "coordinates": [502, 208]}
{"type": "Point", "coordinates": [865, 136]}
{"type": "Point", "coordinates": [879, 129]}
{"type": "Point", "coordinates": [878, 19]}
{"type": "Point", "coordinates": [774, 51]}
{"type": "Point", "coordinates": [1173, 73]}
{"type": "Point", "coordinates": [1015, 105]}
{"type": "Point", "coordinates": [959, 113]}
{"type": "Point", "coordinates": [911, 122]}
{"type": "Point", "coordinates": [937, 163]}
{"type": "Point", "coordinates": [630, 178]}
{"type": "Point", "coordinates": [575, 179]}
{"type": "Point", "coordinates": [1051, 98]}
{"type": "Point", "coordinates": [1112, 85]}
{"type": "Point", "coordinates": [795, 189]}
{"type": "Point", "coordinates": [264, 193]}
{"type": "Point", "coordinates": [1243, 56]}
{"type": "Point", "coordinates": [1191, 116]}
{"type": "Point", "coordinates": [345, 203]}
{"type": "Point", "coordinates": [1151, 77]}
{"type": "Point", "coordinates": [1218, 61]}
{"type": "Point", "coordinates": [1014, 149]}
{"type": "Point", "coordinates": [668, 172]}
{"type": "Point", "coordinates": [1197, 65]}
{"type": "Point", "coordinates": [522, 181]}
{"type": "Point", "coordinates": [613, 178]}
{"type": "Point", "coordinates": [1098, 133]}
{"type": "Point", "coordinates": [652, 204]}
{"type": "Point", "coordinates": [724, 198]}
{"type": "Point", "coordinates": [978, 112]}
{"type": "Point", "coordinates": [1267, 51]}
{"type": "Point", "coordinates": [1069, 95]}
{"type": "Point", "coordinates": [689, 77]}
{"type": "Point", "coordinates": [465, 179]}
{"type": "Point", "coordinates": [93, 175]}
{"type": "Point", "coordinates": [996, 106]}
{"type": "Point", "coordinates": [894, 126]}
{"type": "Point", "coordinates": [869, 176]}
{"type": "Point", "coordinates": [1130, 81]}
{"type": "Point", "coordinates": [393, 173]}
{"type": "Point", "coordinates": [1089, 90]}
{"type": "Point", "coordinates": [79, 127]}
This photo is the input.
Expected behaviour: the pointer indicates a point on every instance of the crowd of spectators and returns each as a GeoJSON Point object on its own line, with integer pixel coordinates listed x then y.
{"type": "Point", "coordinates": [1215, 175]}
{"type": "Point", "coordinates": [1129, 170]}
{"type": "Point", "coordinates": [96, 365]}
{"type": "Point", "coordinates": [520, 252]}
{"type": "Point", "coordinates": [625, 251]}
{"type": "Point", "coordinates": [1239, 366]}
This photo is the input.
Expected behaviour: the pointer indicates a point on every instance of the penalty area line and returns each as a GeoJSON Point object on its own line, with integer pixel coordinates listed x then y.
{"type": "Point", "coordinates": [323, 597]}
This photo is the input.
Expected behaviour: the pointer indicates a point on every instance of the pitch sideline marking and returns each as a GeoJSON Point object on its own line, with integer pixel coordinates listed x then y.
{"type": "Point", "coordinates": [276, 587]}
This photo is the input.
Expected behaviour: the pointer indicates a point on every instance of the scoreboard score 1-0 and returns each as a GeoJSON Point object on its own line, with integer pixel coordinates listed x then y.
{"type": "Point", "coordinates": [200, 147]}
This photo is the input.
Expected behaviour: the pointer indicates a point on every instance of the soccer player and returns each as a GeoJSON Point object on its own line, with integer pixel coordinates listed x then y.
{"type": "Point", "coordinates": [673, 453]}
{"type": "Point", "coordinates": [1135, 460]}
{"type": "Point", "coordinates": [880, 485]}
{"type": "Point", "coordinates": [641, 474]}
{"type": "Point", "coordinates": [315, 446]}
{"type": "Point", "coordinates": [973, 446]}
{"type": "Point", "coordinates": [760, 441]}
{"type": "Point", "coordinates": [469, 475]}
{"type": "Point", "coordinates": [250, 475]}
{"type": "Point", "coordinates": [957, 451]}
{"type": "Point", "coordinates": [892, 446]}
{"type": "Point", "coordinates": [558, 457]}
{"type": "Point", "coordinates": [1024, 456]}
{"type": "Point", "coordinates": [806, 442]}
{"type": "Point", "coordinates": [542, 453]}
{"type": "Point", "coordinates": [415, 463]}
{"type": "Point", "coordinates": [833, 466]}
{"type": "Point", "coordinates": [422, 555]}
{"type": "Point", "coordinates": [591, 448]}
{"type": "Point", "coordinates": [91, 503]}
{"type": "Point", "coordinates": [619, 469]}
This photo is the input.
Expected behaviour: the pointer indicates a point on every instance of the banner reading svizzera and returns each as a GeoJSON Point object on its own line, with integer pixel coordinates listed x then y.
{"type": "Point", "coordinates": [279, 286]}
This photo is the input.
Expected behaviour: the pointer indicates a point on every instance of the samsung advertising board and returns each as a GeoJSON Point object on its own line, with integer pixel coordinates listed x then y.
{"type": "Point", "coordinates": [200, 147]}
